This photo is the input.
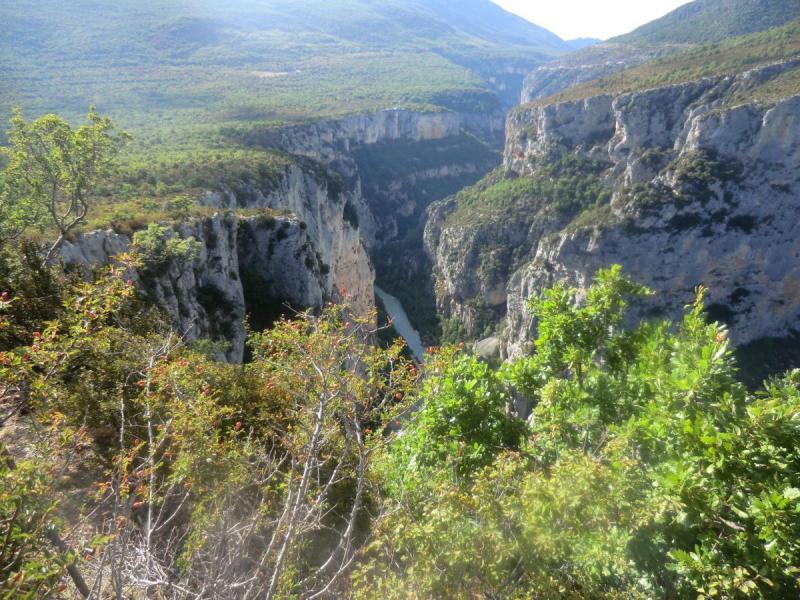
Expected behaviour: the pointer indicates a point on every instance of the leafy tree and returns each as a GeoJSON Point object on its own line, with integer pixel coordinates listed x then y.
{"type": "Point", "coordinates": [29, 566]}
{"type": "Point", "coordinates": [578, 379]}
{"type": "Point", "coordinates": [52, 173]}
{"type": "Point", "coordinates": [32, 292]}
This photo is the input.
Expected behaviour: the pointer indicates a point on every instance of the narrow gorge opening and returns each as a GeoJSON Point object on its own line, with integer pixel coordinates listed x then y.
{"type": "Point", "coordinates": [400, 180]}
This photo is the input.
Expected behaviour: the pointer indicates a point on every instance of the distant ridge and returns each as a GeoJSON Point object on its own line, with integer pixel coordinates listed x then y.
{"type": "Point", "coordinates": [695, 24]}
{"type": "Point", "coordinates": [708, 21]}
{"type": "Point", "coordinates": [493, 23]}
{"type": "Point", "coordinates": [580, 43]}
{"type": "Point", "coordinates": [204, 63]}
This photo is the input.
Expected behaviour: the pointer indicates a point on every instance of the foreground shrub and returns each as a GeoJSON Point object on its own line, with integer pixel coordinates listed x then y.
{"type": "Point", "coordinates": [208, 478]}
{"type": "Point", "coordinates": [647, 471]}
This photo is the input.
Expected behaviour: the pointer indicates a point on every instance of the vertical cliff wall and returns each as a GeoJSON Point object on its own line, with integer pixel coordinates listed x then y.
{"type": "Point", "coordinates": [258, 261]}
{"type": "Point", "coordinates": [392, 165]}
{"type": "Point", "coordinates": [684, 185]}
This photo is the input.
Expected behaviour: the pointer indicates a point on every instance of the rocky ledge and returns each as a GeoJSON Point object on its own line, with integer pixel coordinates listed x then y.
{"type": "Point", "coordinates": [291, 249]}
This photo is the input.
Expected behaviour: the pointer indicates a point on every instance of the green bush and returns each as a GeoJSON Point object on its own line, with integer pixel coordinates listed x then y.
{"type": "Point", "coordinates": [156, 247]}
{"type": "Point", "coordinates": [29, 567]}
{"type": "Point", "coordinates": [461, 426]}
{"type": "Point", "coordinates": [647, 470]}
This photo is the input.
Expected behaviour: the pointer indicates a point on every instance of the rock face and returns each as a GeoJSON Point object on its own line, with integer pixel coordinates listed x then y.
{"type": "Point", "coordinates": [588, 64]}
{"type": "Point", "coordinates": [393, 164]}
{"type": "Point", "coordinates": [408, 151]}
{"type": "Point", "coordinates": [189, 293]}
{"type": "Point", "coordinates": [332, 141]}
{"type": "Point", "coordinates": [704, 190]}
{"type": "Point", "coordinates": [329, 255]}
{"type": "Point", "coordinates": [302, 257]}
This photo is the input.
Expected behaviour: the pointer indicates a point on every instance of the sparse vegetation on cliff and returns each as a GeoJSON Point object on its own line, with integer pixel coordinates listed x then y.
{"type": "Point", "coordinates": [564, 186]}
{"type": "Point", "coordinates": [715, 60]}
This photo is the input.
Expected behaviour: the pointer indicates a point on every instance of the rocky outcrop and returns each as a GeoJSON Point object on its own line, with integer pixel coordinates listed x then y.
{"type": "Point", "coordinates": [203, 297]}
{"type": "Point", "coordinates": [292, 247]}
{"type": "Point", "coordinates": [396, 136]}
{"type": "Point", "coordinates": [331, 235]}
{"type": "Point", "coordinates": [333, 141]}
{"type": "Point", "coordinates": [703, 190]}
{"type": "Point", "coordinates": [588, 64]}
{"type": "Point", "coordinates": [472, 262]}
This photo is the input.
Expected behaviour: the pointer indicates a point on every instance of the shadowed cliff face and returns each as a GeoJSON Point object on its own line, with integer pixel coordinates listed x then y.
{"type": "Point", "coordinates": [265, 265]}
{"type": "Point", "coordinates": [393, 164]}
{"type": "Point", "coordinates": [700, 190]}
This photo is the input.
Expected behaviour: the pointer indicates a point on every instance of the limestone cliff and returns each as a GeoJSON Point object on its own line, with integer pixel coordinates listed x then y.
{"type": "Point", "coordinates": [701, 188]}
{"type": "Point", "coordinates": [258, 261]}
{"type": "Point", "coordinates": [392, 165]}
{"type": "Point", "coordinates": [332, 141]}
{"type": "Point", "coordinates": [340, 260]}
{"type": "Point", "coordinates": [382, 156]}
{"type": "Point", "coordinates": [585, 65]}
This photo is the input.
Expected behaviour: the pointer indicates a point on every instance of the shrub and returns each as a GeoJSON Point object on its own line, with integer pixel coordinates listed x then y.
{"type": "Point", "coordinates": [156, 247]}
{"type": "Point", "coordinates": [647, 471]}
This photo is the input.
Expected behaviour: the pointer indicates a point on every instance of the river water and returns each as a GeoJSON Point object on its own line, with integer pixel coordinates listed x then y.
{"type": "Point", "coordinates": [401, 324]}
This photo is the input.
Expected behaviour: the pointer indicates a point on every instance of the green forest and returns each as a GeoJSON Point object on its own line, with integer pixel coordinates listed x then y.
{"type": "Point", "coordinates": [177, 72]}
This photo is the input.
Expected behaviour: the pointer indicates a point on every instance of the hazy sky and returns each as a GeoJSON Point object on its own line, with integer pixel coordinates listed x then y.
{"type": "Point", "coordinates": [590, 18]}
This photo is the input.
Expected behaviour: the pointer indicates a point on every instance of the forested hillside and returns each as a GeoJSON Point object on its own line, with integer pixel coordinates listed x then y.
{"type": "Point", "coordinates": [166, 64]}
{"type": "Point", "coordinates": [724, 58]}
{"type": "Point", "coordinates": [694, 25]}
